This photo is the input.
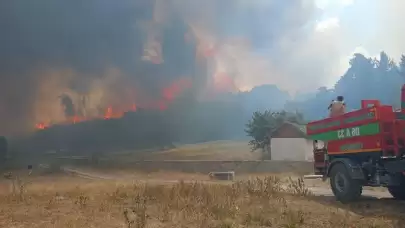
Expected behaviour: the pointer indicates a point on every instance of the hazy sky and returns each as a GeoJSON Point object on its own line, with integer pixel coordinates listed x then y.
{"type": "Point", "coordinates": [365, 26]}
{"type": "Point", "coordinates": [305, 44]}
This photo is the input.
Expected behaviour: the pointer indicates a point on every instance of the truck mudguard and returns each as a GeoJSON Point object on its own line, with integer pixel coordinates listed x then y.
{"type": "Point", "coordinates": [355, 170]}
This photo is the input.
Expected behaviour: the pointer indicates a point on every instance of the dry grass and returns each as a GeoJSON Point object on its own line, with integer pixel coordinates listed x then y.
{"type": "Point", "coordinates": [214, 150]}
{"type": "Point", "coordinates": [261, 202]}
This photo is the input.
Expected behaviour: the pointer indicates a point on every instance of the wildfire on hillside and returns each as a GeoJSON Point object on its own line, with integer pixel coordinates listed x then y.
{"type": "Point", "coordinates": [113, 111]}
{"type": "Point", "coordinates": [149, 45]}
{"type": "Point", "coordinates": [205, 48]}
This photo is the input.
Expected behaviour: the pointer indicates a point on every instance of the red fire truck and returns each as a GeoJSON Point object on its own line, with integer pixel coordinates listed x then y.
{"type": "Point", "coordinates": [362, 148]}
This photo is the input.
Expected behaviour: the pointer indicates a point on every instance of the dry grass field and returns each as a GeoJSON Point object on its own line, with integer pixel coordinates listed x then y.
{"type": "Point", "coordinates": [111, 198]}
{"type": "Point", "coordinates": [214, 150]}
{"type": "Point", "coordinates": [60, 201]}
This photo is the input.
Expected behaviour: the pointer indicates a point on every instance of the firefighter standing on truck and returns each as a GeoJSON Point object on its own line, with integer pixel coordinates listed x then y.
{"type": "Point", "coordinates": [337, 108]}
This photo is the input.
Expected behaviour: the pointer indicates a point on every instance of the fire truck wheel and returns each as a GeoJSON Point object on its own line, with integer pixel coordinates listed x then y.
{"type": "Point", "coordinates": [343, 186]}
{"type": "Point", "coordinates": [398, 192]}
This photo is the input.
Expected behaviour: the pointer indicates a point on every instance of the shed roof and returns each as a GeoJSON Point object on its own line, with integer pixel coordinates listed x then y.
{"type": "Point", "coordinates": [301, 128]}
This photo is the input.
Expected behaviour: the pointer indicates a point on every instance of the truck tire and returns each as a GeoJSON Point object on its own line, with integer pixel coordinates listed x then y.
{"type": "Point", "coordinates": [398, 191]}
{"type": "Point", "coordinates": [344, 187]}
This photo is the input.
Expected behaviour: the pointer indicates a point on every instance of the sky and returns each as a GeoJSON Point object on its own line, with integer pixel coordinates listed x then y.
{"type": "Point", "coordinates": [363, 26]}
{"type": "Point", "coordinates": [301, 45]}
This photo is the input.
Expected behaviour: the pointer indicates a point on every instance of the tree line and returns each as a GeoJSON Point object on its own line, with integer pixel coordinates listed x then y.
{"type": "Point", "coordinates": [366, 78]}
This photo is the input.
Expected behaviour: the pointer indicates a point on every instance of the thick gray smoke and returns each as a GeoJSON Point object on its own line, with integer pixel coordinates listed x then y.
{"type": "Point", "coordinates": [268, 41]}
{"type": "Point", "coordinates": [97, 48]}
{"type": "Point", "coordinates": [50, 47]}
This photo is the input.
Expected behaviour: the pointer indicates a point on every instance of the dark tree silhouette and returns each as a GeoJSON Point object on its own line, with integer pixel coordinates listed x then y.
{"type": "Point", "coordinates": [366, 78]}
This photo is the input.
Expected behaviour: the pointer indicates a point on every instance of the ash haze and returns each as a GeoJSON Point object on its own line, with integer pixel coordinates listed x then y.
{"type": "Point", "coordinates": [109, 50]}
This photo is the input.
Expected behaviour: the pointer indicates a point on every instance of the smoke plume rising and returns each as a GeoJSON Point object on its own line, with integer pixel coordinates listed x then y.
{"type": "Point", "coordinates": [106, 56]}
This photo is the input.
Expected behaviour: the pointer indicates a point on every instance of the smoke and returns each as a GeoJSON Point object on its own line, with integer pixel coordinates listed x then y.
{"type": "Point", "coordinates": [267, 42]}
{"type": "Point", "coordinates": [55, 47]}
{"type": "Point", "coordinates": [141, 51]}
{"type": "Point", "coordinates": [387, 33]}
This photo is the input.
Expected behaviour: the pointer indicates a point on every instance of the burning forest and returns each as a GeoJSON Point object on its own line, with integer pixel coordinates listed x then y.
{"type": "Point", "coordinates": [88, 75]}
{"type": "Point", "coordinates": [79, 111]}
{"type": "Point", "coordinates": [84, 74]}
{"type": "Point", "coordinates": [75, 69]}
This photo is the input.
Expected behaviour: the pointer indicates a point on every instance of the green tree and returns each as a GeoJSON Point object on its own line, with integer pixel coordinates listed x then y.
{"type": "Point", "coordinates": [259, 128]}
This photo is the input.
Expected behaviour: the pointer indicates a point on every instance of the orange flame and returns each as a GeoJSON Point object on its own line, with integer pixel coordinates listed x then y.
{"type": "Point", "coordinates": [168, 95]}
{"type": "Point", "coordinates": [108, 113]}
{"type": "Point", "coordinates": [111, 114]}
{"type": "Point", "coordinates": [41, 126]}
{"type": "Point", "coordinates": [133, 108]}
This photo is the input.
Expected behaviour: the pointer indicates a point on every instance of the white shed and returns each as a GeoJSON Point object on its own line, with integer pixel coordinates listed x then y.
{"type": "Point", "coordinates": [290, 143]}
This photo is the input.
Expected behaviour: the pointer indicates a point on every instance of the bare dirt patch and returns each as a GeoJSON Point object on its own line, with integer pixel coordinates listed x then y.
{"type": "Point", "coordinates": [136, 175]}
